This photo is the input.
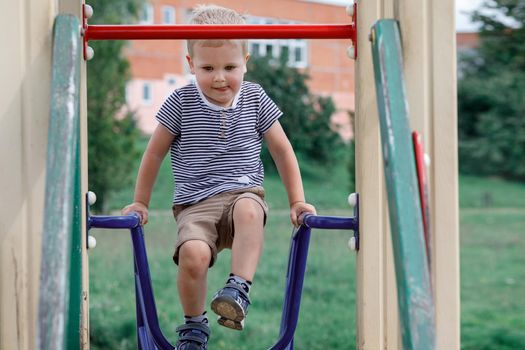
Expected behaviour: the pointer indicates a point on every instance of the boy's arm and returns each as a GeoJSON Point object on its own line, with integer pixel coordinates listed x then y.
{"type": "Point", "coordinates": [154, 154]}
{"type": "Point", "coordinates": [284, 157]}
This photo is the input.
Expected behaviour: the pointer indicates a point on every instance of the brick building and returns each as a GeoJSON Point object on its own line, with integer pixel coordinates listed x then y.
{"type": "Point", "coordinates": [159, 66]}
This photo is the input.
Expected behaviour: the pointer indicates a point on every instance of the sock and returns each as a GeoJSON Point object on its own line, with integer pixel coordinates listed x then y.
{"type": "Point", "coordinates": [196, 319]}
{"type": "Point", "coordinates": [246, 285]}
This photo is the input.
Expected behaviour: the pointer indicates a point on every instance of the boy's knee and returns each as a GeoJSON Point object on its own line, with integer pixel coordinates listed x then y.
{"type": "Point", "coordinates": [195, 256]}
{"type": "Point", "coordinates": [248, 210]}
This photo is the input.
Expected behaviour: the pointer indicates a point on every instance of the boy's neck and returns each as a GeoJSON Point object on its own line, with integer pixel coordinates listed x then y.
{"type": "Point", "coordinates": [233, 103]}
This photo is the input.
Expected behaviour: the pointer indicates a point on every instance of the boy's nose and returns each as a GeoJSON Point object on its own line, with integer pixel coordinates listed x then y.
{"type": "Point", "coordinates": [219, 76]}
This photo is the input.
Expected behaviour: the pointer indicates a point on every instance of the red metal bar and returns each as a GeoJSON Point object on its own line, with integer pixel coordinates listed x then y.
{"type": "Point", "coordinates": [248, 31]}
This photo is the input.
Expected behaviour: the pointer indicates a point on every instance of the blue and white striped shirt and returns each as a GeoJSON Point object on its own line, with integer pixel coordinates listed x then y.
{"type": "Point", "coordinates": [216, 149]}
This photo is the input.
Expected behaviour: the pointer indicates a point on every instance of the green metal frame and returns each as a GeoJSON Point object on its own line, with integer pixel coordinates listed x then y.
{"type": "Point", "coordinates": [416, 306]}
{"type": "Point", "coordinates": [60, 295]}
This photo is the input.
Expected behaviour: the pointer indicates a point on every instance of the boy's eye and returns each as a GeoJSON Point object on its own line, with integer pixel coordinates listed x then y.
{"type": "Point", "coordinates": [230, 67]}
{"type": "Point", "coordinates": [208, 68]}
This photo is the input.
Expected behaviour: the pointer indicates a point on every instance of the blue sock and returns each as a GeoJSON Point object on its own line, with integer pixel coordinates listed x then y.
{"type": "Point", "coordinates": [246, 285]}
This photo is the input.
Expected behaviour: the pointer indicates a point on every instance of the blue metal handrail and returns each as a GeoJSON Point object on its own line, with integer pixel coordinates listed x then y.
{"type": "Point", "coordinates": [149, 334]}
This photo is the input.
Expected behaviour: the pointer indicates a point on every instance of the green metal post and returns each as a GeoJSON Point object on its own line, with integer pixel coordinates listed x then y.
{"type": "Point", "coordinates": [416, 307]}
{"type": "Point", "coordinates": [60, 274]}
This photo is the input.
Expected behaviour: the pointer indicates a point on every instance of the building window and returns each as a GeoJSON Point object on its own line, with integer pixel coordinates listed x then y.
{"type": "Point", "coordinates": [146, 14]}
{"type": "Point", "coordinates": [127, 94]}
{"type": "Point", "coordinates": [297, 50]}
{"type": "Point", "coordinates": [168, 15]}
{"type": "Point", "coordinates": [146, 94]}
{"type": "Point", "coordinates": [171, 81]}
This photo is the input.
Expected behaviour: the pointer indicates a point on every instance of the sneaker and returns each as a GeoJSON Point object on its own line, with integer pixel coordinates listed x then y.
{"type": "Point", "coordinates": [193, 336]}
{"type": "Point", "coordinates": [231, 304]}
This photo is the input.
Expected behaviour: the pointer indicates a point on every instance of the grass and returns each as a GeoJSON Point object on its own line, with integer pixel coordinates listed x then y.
{"type": "Point", "coordinates": [475, 192]}
{"type": "Point", "coordinates": [493, 279]}
{"type": "Point", "coordinates": [492, 226]}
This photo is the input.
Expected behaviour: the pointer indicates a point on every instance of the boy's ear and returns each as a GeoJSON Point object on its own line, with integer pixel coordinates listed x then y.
{"type": "Point", "coordinates": [190, 63]}
{"type": "Point", "coordinates": [246, 59]}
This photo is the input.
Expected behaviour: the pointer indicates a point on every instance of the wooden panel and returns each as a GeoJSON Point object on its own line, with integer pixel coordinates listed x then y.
{"type": "Point", "coordinates": [370, 258]}
{"type": "Point", "coordinates": [443, 175]}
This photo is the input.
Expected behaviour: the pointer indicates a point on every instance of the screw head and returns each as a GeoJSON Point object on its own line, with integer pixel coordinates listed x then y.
{"type": "Point", "coordinates": [350, 52]}
{"type": "Point", "coordinates": [350, 9]}
{"type": "Point", "coordinates": [352, 199]}
{"type": "Point", "coordinates": [92, 198]}
{"type": "Point", "coordinates": [372, 36]}
{"type": "Point", "coordinates": [88, 11]}
{"type": "Point", "coordinates": [352, 243]}
{"type": "Point", "coordinates": [89, 53]}
{"type": "Point", "coordinates": [92, 242]}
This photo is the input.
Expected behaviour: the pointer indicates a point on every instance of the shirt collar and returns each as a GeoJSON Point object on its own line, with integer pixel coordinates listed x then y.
{"type": "Point", "coordinates": [214, 106]}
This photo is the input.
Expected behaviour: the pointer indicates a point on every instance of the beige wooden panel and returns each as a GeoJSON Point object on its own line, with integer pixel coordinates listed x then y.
{"type": "Point", "coordinates": [12, 205]}
{"type": "Point", "coordinates": [414, 25]}
{"type": "Point", "coordinates": [24, 94]}
{"type": "Point", "coordinates": [444, 179]}
{"type": "Point", "coordinates": [369, 181]}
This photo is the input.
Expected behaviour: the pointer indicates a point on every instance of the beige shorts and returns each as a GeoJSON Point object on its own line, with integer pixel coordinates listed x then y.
{"type": "Point", "coordinates": [211, 220]}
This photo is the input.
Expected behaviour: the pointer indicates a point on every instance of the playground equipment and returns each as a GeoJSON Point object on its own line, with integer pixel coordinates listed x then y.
{"type": "Point", "coordinates": [149, 334]}
{"type": "Point", "coordinates": [416, 306]}
{"type": "Point", "coordinates": [430, 71]}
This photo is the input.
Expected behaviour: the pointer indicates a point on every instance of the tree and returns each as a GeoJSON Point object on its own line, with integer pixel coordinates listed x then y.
{"type": "Point", "coordinates": [491, 103]}
{"type": "Point", "coordinates": [307, 117]}
{"type": "Point", "coordinates": [111, 132]}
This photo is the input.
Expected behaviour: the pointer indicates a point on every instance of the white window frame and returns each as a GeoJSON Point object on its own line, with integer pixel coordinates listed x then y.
{"type": "Point", "coordinates": [147, 14]}
{"type": "Point", "coordinates": [278, 44]}
{"type": "Point", "coordinates": [168, 15]}
{"type": "Point", "coordinates": [301, 45]}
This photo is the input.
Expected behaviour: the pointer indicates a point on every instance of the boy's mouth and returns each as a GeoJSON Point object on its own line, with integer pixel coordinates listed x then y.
{"type": "Point", "coordinates": [222, 88]}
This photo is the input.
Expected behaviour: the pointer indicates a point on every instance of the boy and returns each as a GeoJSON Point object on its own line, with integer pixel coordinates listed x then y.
{"type": "Point", "coordinates": [214, 130]}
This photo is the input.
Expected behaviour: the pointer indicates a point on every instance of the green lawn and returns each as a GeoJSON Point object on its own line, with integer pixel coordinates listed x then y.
{"type": "Point", "coordinates": [493, 279]}
{"type": "Point", "coordinates": [492, 273]}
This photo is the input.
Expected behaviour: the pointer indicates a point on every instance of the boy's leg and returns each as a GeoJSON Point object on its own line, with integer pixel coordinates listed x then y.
{"type": "Point", "coordinates": [248, 240]}
{"type": "Point", "coordinates": [194, 261]}
{"type": "Point", "coordinates": [231, 302]}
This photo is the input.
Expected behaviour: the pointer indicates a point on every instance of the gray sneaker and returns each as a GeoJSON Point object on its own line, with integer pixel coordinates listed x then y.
{"type": "Point", "coordinates": [193, 336]}
{"type": "Point", "coordinates": [231, 304]}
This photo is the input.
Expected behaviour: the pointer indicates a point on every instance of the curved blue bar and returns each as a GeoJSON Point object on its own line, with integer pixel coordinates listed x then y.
{"type": "Point", "coordinates": [294, 287]}
{"type": "Point", "coordinates": [148, 320]}
{"type": "Point", "coordinates": [330, 222]}
{"type": "Point", "coordinates": [125, 221]}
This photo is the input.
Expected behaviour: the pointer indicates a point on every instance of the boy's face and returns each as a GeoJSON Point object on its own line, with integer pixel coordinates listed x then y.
{"type": "Point", "coordinates": [219, 71]}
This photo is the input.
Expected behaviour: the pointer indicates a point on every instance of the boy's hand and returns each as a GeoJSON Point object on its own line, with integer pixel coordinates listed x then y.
{"type": "Point", "coordinates": [139, 208]}
{"type": "Point", "coordinates": [299, 208]}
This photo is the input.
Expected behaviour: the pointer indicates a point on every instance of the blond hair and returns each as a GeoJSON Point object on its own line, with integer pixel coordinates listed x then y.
{"type": "Point", "coordinates": [212, 14]}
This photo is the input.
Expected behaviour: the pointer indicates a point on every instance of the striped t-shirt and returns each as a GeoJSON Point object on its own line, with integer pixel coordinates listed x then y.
{"type": "Point", "coordinates": [216, 149]}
